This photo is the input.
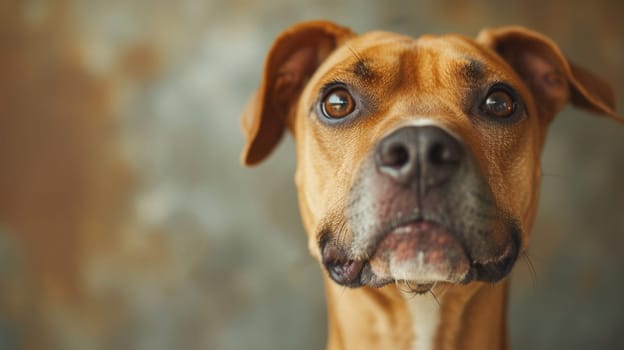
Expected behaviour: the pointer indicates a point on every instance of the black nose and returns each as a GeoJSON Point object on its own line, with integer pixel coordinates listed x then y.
{"type": "Point", "coordinates": [427, 155]}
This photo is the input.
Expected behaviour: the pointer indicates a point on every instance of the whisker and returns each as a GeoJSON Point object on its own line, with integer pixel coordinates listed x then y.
{"type": "Point", "coordinates": [400, 284]}
{"type": "Point", "coordinates": [551, 175]}
{"type": "Point", "coordinates": [447, 287]}
{"type": "Point", "coordinates": [532, 271]}
{"type": "Point", "coordinates": [341, 234]}
{"type": "Point", "coordinates": [407, 287]}
{"type": "Point", "coordinates": [355, 53]}
{"type": "Point", "coordinates": [342, 292]}
{"type": "Point", "coordinates": [435, 297]}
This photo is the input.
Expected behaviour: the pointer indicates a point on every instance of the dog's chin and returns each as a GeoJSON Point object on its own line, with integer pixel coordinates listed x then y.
{"type": "Point", "coordinates": [421, 252]}
{"type": "Point", "coordinates": [418, 254]}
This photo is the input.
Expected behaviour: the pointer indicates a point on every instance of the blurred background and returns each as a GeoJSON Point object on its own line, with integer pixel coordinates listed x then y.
{"type": "Point", "coordinates": [127, 222]}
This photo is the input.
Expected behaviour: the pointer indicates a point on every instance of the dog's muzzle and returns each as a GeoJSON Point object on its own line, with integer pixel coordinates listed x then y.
{"type": "Point", "coordinates": [420, 212]}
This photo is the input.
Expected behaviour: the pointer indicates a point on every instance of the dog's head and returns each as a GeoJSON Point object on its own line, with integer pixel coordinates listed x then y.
{"type": "Point", "coordinates": [418, 159]}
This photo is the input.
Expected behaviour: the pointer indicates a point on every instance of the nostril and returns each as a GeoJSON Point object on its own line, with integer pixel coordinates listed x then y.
{"type": "Point", "coordinates": [396, 156]}
{"type": "Point", "coordinates": [441, 154]}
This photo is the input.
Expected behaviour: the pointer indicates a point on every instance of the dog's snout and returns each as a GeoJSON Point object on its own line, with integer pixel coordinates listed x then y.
{"type": "Point", "coordinates": [419, 154]}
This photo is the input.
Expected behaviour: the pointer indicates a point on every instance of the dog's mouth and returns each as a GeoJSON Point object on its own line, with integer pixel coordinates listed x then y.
{"type": "Point", "coordinates": [421, 251]}
{"type": "Point", "coordinates": [417, 253]}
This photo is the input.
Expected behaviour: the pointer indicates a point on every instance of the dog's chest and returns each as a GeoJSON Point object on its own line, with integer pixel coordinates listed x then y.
{"type": "Point", "coordinates": [425, 313]}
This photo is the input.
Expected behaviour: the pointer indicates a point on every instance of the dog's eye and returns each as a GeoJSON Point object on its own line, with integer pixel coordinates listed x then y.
{"type": "Point", "coordinates": [499, 104]}
{"type": "Point", "coordinates": [337, 103]}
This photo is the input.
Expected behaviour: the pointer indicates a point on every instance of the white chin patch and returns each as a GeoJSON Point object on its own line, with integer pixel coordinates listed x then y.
{"type": "Point", "coordinates": [421, 273]}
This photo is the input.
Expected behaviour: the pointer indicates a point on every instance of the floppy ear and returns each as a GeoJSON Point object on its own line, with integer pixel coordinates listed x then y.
{"type": "Point", "coordinates": [293, 58]}
{"type": "Point", "coordinates": [553, 80]}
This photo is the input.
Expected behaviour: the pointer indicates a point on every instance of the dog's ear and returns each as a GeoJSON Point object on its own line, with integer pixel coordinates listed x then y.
{"type": "Point", "coordinates": [293, 58]}
{"type": "Point", "coordinates": [553, 79]}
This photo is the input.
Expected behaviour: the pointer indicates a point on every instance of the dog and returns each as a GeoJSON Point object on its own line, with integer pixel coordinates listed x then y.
{"type": "Point", "coordinates": [418, 170]}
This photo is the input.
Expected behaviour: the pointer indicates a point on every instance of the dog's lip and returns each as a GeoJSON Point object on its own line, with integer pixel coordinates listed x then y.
{"type": "Point", "coordinates": [426, 248]}
{"type": "Point", "coordinates": [406, 226]}
{"type": "Point", "coordinates": [409, 227]}
{"type": "Point", "coordinates": [340, 267]}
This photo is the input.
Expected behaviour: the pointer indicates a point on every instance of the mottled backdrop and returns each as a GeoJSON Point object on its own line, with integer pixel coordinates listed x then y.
{"type": "Point", "coordinates": [126, 221]}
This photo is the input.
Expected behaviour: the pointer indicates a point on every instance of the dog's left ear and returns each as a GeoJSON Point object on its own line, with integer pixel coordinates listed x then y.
{"type": "Point", "coordinates": [293, 58]}
{"type": "Point", "coordinates": [553, 79]}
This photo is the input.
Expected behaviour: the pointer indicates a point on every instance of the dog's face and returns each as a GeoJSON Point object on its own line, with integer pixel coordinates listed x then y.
{"type": "Point", "coordinates": [418, 159]}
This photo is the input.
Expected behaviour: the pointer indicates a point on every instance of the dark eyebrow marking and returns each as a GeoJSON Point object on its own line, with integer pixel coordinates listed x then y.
{"type": "Point", "coordinates": [473, 72]}
{"type": "Point", "coordinates": [360, 68]}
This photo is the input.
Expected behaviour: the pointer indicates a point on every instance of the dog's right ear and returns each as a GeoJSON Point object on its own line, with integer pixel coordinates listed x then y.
{"type": "Point", "coordinates": [293, 58]}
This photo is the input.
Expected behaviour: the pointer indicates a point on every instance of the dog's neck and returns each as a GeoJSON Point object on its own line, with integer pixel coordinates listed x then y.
{"type": "Point", "coordinates": [385, 318]}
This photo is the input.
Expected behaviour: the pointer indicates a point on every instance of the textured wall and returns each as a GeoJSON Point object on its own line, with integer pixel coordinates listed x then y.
{"type": "Point", "coordinates": [126, 221]}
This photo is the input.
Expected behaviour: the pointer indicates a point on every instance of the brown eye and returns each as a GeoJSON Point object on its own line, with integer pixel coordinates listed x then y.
{"type": "Point", "coordinates": [499, 104]}
{"type": "Point", "coordinates": [338, 103]}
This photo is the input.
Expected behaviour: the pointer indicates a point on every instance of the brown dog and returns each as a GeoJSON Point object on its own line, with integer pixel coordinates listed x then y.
{"type": "Point", "coordinates": [418, 171]}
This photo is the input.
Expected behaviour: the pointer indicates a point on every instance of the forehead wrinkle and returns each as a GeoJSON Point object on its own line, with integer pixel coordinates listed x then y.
{"type": "Point", "coordinates": [379, 57]}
